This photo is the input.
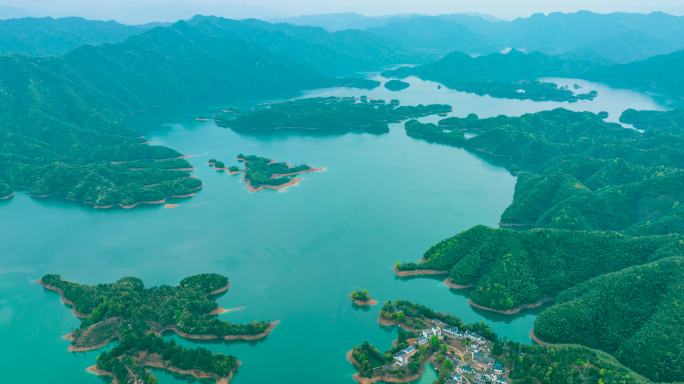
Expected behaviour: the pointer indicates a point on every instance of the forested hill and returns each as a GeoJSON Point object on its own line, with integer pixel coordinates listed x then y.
{"type": "Point", "coordinates": [634, 314]}
{"type": "Point", "coordinates": [490, 73]}
{"type": "Point", "coordinates": [61, 132]}
{"type": "Point", "coordinates": [661, 74]}
{"type": "Point", "coordinates": [48, 36]}
{"type": "Point", "coordinates": [505, 75]}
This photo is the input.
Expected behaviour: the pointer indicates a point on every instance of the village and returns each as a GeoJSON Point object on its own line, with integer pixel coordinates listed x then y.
{"type": "Point", "coordinates": [469, 355]}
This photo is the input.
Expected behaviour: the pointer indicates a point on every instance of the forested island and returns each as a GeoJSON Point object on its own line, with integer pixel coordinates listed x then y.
{"type": "Point", "coordinates": [362, 298]}
{"type": "Point", "coordinates": [326, 115]}
{"type": "Point", "coordinates": [137, 317]}
{"type": "Point", "coordinates": [595, 226]}
{"type": "Point", "coordinates": [510, 76]}
{"type": "Point", "coordinates": [262, 173]}
{"type": "Point", "coordinates": [396, 85]}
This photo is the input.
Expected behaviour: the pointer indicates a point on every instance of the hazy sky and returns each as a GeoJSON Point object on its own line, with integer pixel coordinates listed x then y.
{"type": "Point", "coordinates": [146, 10]}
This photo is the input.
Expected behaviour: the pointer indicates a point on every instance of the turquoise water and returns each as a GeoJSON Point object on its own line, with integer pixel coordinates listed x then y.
{"type": "Point", "coordinates": [292, 256]}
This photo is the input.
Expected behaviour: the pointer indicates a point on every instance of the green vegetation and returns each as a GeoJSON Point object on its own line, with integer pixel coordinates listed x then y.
{"type": "Point", "coordinates": [396, 85]}
{"type": "Point", "coordinates": [424, 335]}
{"type": "Point", "coordinates": [331, 115]}
{"type": "Point", "coordinates": [63, 135]}
{"type": "Point", "coordinates": [512, 75]}
{"type": "Point", "coordinates": [416, 316]}
{"type": "Point", "coordinates": [510, 268]}
{"type": "Point", "coordinates": [263, 173]}
{"type": "Point", "coordinates": [598, 225]}
{"type": "Point", "coordinates": [48, 36]}
{"type": "Point", "coordinates": [634, 314]}
{"type": "Point", "coordinates": [571, 364]}
{"type": "Point", "coordinates": [577, 171]}
{"type": "Point", "coordinates": [137, 316]}
{"type": "Point", "coordinates": [362, 297]}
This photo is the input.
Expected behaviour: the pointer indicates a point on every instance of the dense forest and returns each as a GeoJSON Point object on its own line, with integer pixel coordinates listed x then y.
{"type": "Point", "coordinates": [596, 225]}
{"type": "Point", "coordinates": [63, 133]}
{"type": "Point", "coordinates": [186, 308]}
{"type": "Point", "coordinates": [262, 172]}
{"type": "Point", "coordinates": [570, 364]}
{"type": "Point", "coordinates": [329, 115]}
{"type": "Point", "coordinates": [508, 268]}
{"type": "Point", "coordinates": [512, 75]}
{"type": "Point", "coordinates": [577, 171]}
{"type": "Point", "coordinates": [634, 314]}
{"type": "Point", "coordinates": [49, 36]}
{"type": "Point", "coordinates": [137, 316]}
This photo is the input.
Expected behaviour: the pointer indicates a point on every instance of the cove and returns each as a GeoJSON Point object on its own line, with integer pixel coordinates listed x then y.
{"type": "Point", "coordinates": [292, 256]}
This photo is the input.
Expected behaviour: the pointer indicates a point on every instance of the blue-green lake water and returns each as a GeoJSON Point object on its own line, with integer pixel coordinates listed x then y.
{"type": "Point", "coordinates": [292, 256]}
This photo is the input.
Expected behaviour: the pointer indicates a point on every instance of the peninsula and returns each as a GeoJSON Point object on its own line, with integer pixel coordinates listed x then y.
{"type": "Point", "coordinates": [137, 317]}
{"type": "Point", "coordinates": [326, 115]}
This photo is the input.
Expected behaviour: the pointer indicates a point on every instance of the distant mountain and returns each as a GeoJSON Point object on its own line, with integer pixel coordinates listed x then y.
{"type": "Point", "coordinates": [7, 12]}
{"type": "Point", "coordinates": [615, 37]}
{"type": "Point", "coordinates": [512, 75]}
{"type": "Point", "coordinates": [637, 35]}
{"type": "Point", "coordinates": [435, 35]}
{"type": "Point", "coordinates": [48, 36]}
{"type": "Point", "coordinates": [660, 74]}
{"type": "Point", "coordinates": [511, 66]}
{"type": "Point", "coordinates": [337, 21]}
{"type": "Point", "coordinates": [62, 136]}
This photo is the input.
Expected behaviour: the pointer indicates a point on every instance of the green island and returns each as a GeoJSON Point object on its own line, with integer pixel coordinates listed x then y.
{"type": "Point", "coordinates": [138, 317]}
{"type": "Point", "coordinates": [472, 353]}
{"type": "Point", "coordinates": [510, 76]}
{"type": "Point", "coordinates": [220, 166]}
{"type": "Point", "coordinates": [326, 115]}
{"type": "Point", "coordinates": [396, 85]}
{"type": "Point", "coordinates": [263, 173]}
{"type": "Point", "coordinates": [361, 298]}
{"type": "Point", "coordinates": [595, 223]}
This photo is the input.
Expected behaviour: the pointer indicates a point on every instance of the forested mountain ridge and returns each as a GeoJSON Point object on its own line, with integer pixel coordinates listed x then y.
{"type": "Point", "coordinates": [512, 75]}
{"type": "Point", "coordinates": [50, 36]}
{"type": "Point", "coordinates": [602, 38]}
{"type": "Point", "coordinates": [582, 175]}
{"type": "Point", "coordinates": [643, 327]}
{"type": "Point", "coordinates": [62, 133]}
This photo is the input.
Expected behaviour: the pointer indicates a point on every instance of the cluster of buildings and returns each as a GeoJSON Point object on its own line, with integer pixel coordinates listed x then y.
{"type": "Point", "coordinates": [473, 365]}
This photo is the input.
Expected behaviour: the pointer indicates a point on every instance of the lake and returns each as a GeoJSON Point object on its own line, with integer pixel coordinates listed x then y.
{"type": "Point", "coordinates": [292, 256]}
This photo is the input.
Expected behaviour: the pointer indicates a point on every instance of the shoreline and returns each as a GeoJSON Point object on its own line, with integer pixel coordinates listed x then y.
{"type": "Point", "coordinates": [199, 375]}
{"type": "Point", "coordinates": [219, 291]}
{"type": "Point", "coordinates": [280, 187]}
{"type": "Point", "coordinates": [65, 301]}
{"type": "Point", "coordinates": [537, 340]}
{"type": "Point", "coordinates": [419, 272]}
{"type": "Point", "coordinates": [368, 303]}
{"type": "Point", "coordinates": [190, 336]}
{"type": "Point", "coordinates": [511, 311]}
{"type": "Point", "coordinates": [220, 310]}
{"type": "Point", "coordinates": [451, 285]}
